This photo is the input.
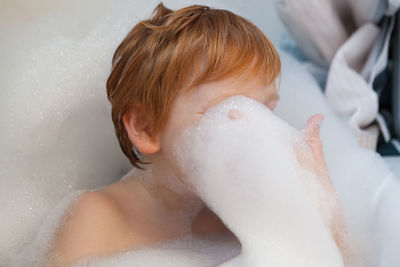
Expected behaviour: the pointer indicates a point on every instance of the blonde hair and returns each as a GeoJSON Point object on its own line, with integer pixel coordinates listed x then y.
{"type": "Point", "coordinates": [161, 56]}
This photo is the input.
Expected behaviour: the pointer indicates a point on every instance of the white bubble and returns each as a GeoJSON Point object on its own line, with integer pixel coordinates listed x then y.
{"type": "Point", "coordinates": [248, 174]}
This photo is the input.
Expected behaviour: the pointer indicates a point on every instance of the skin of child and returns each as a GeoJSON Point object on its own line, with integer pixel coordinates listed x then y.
{"type": "Point", "coordinates": [129, 214]}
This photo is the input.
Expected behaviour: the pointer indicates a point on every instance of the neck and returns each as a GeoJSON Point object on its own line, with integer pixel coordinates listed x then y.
{"type": "Point", "coordinates": [170, 188]}
{"type": "Point", "coordinates": [176, 196]}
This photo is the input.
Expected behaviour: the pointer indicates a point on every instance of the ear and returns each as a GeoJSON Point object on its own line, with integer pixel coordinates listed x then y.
{"type": "Point", "coordinates": [137, 125]}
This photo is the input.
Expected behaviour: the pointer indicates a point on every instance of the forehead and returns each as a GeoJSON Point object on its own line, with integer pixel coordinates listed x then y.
{"type": "Point", "coordinates": [236, 85]}
{"type": "Point", "coordinates": [209, 94]}
{"type": "Point", "coordinates": [249, 81]}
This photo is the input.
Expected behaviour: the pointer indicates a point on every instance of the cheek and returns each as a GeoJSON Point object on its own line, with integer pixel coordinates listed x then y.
{"type": "Point", "coordinates": [272, 105]}
{"type": "Point", "coordinates": [174, 128]}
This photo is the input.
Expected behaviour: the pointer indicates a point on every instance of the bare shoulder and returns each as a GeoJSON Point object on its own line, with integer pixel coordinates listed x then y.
{"type": "Point", "coordinates": [93, 226]}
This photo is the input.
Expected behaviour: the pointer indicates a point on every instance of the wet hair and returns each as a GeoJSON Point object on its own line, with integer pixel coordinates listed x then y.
{"type": "Point", "coordinates": [178, 50]}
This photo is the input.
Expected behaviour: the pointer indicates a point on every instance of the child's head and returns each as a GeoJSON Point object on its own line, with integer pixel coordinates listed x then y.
{"type": "Point", "coordinates": [170, 68]}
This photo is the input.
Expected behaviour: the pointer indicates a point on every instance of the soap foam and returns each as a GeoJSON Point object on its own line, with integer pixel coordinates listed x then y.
{"type": "Point", "coordinates": [356, 173]}
{"type": "Point", "coordinates": [57, 135]}
{"type": "Point", "coordinates": [192, 251]}
{"type": "Point", "coordinates": [247, 173]}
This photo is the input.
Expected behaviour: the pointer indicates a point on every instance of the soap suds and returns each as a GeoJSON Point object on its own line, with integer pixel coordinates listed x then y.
{"type": "Point", "coordinates": [248, 174]}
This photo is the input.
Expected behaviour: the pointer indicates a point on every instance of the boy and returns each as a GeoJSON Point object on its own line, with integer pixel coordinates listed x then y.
{"type": "Point", "coordinates": [166, 72]}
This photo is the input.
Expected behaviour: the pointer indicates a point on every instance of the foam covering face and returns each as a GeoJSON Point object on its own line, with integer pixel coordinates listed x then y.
{"type": "Point", "coordinates": [240, 159]}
